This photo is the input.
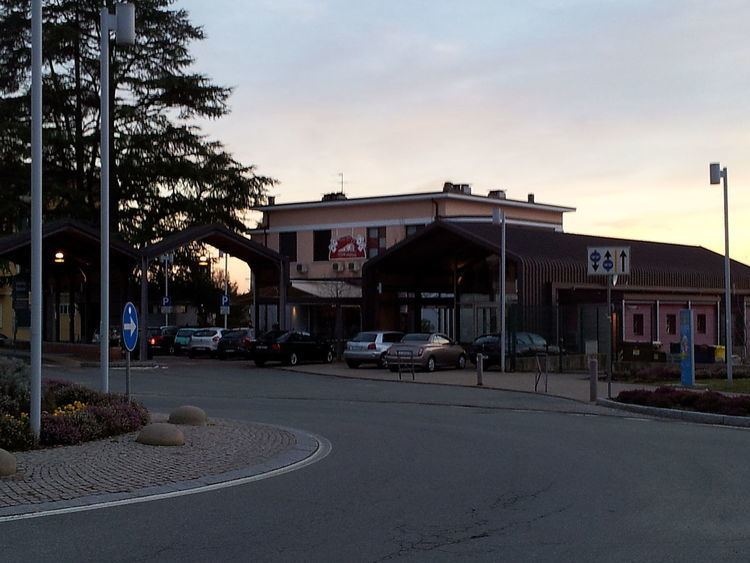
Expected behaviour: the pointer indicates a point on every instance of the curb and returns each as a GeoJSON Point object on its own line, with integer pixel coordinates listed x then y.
{"type": "Point", "coordinates": [676, 414]}
{"type": "Point", "coordinates": [309, 449]}
{"type": "Point", "coordinates": [464, 386]}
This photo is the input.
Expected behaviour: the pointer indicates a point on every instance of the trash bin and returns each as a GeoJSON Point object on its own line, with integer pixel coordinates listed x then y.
{"type": "Point", "coordinates": [720, 354]}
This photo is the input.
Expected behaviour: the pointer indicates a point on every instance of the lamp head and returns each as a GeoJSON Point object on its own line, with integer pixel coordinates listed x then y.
{"type": "Point", "coordinates": [125, 15]}
{"type": "Point", "coordinates": [715, 172]}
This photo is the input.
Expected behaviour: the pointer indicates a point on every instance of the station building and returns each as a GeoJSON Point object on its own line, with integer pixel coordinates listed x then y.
{"type": "Point", "coordinates": [430, 261]}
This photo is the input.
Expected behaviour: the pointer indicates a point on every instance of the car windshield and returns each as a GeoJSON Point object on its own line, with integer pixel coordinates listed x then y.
{"type": "Point", "coordinates": [273, 335]}
{"type": "Point", "coordinates": [154, 331]}
{"type": "Point", "coordinates": [234, 333]}
{"type": "Point", "coordinates": [417, 337]}
{"type": "Point", "coordinates": [537, 340]}
{"type": "Point", "coordinates": [186, 331]}
{"type": "Point", "coordinates": [365, 337]}
{"type": "Point", "coordinates": [205, 332]}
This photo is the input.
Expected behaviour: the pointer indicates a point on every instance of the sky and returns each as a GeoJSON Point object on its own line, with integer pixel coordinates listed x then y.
{"type": "Point", "coordinates": [615, 108]}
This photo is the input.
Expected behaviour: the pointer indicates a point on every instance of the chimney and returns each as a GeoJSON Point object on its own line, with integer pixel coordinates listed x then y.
{"type": "Point", "coordinates": [496, 194]}
{"type": "Point", "coordinates": [271, 200]}
{"type": "Point", "coordinates": [531, 198]}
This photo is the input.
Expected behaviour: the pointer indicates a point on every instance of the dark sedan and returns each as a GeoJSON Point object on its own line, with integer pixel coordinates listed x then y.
{"type": "Point", "coordinates": [161, 339]}
{"type": "Point", "coordinates": [291, 348]}
{"type": "Point", "coordinates": [237, 343]}
{"type": "Point", "coordinates": [526, 344]}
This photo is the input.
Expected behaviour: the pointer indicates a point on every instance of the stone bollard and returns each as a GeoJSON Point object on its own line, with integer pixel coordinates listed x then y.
{"type": "Point", "coordinates": [7, 463]}
{"type": "Point", "coordinates": [480, 369]}
{"type": "Point", "coordinates": [593, 379]}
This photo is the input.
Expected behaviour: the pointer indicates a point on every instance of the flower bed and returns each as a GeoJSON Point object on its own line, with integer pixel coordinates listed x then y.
{"type": "Point", "coordinates": [71, 413]}
{"type": "Point", "coordinates": [672, 398]}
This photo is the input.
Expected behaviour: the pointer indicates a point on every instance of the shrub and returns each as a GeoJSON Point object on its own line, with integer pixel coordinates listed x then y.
{"type": "Point", "coordinates": [15, 434]}
{"type": "Point", "coordinates": [14, 386]}
{"type": "Point", "coordinates": [672, 398]}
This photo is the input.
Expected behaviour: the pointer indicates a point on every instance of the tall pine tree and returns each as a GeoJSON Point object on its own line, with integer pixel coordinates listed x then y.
{"type": "Point", "coordinates": [165, 173]}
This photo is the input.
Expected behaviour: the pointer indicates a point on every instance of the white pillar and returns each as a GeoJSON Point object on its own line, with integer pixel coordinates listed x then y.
{"type": "Point", "coordinates": [104, 201]}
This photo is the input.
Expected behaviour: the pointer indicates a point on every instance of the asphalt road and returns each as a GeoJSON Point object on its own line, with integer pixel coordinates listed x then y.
{"type": "Point", "coordinates": [424, 473]}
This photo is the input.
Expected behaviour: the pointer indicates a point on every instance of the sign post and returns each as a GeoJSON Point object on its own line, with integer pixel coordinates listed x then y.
{"type": "Point", "coordinates": [129, 338]}
{"type": "Point", "coordinates": [687, 349]}
{"type": "Point", "coordinates": [610, 261]}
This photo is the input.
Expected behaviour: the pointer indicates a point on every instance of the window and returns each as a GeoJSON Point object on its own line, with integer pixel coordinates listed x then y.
{"type": "Point", "coordinates": [413, 229]}
{"type": "Point", "coordinates": [671, 324]}
{"type": "Point", "coordinates": [321, 240]}
{"type": "Point", "coordinates": [375, 241]}
{"type": "Point", "coordinates": [638, 324]}
{"type": "Point", "coordinates": [288, 245]}
{"type": "Point", "coordinates": [700, 323]}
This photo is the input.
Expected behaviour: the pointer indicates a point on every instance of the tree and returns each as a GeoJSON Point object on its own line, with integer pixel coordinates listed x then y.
{"type": "Point", "coordinates": [165, 173]}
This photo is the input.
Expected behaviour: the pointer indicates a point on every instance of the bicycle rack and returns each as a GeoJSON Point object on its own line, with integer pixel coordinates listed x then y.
{"type": "Point", "coordinates": [405, 354]}
{"type": "Point", "coordinates": [540, 372]}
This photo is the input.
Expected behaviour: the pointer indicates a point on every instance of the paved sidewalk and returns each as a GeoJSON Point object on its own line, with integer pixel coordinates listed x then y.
{"type": "Point", "coordinates": [567, 385]}
{"type": "Point", "coordinates": [118, 468]}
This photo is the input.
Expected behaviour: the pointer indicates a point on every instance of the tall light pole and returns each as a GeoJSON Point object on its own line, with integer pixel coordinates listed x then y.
{"type": "Point", "coordinates": [36, 217]}
{"type": "Point", "coordinates": [717, 173]}
{"type": "Point", "coordinates": [123, 24]}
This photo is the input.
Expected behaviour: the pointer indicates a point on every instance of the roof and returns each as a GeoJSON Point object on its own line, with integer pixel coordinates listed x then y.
{"type": "Point", "coordinates": [71, 229]}
{"type": "Point", "coordinates": [232, 243]}
{"type": "Point", "coordinates": [426, 196]}
{"type": "Point", "coordinates": [536, 245]}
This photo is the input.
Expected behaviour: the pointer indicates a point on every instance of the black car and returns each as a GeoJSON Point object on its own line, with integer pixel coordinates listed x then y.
{"type": "Point", "coordinates": [236, 342]}
{"type": "Point", "coordinates": [526, 344]}
{"type": "Point", "coordinates": [291, 348]}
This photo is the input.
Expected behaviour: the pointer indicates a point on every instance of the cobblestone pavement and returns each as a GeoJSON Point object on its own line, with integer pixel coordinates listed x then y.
{"type": "Point", "coordinates": [121, 465]}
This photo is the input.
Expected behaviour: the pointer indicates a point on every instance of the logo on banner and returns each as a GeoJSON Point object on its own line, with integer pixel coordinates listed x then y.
{"type": "Point", "coordinates": [347, 247]}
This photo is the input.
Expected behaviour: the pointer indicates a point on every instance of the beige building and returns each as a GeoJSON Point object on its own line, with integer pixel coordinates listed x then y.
{"type": "Point", "coordinates": [328, 241]}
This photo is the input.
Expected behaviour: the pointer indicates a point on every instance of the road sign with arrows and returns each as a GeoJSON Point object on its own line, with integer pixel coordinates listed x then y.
{"type": "Point", "coordinates": [608, 260]}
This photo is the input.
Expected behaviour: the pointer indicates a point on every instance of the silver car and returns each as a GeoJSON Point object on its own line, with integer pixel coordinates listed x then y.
{"type": "Point", "coordinates": [205, 341]}
{"type": "Point", "coordinates": [426, 350]}
{"type": "Point", "coordinates": [370, 347]}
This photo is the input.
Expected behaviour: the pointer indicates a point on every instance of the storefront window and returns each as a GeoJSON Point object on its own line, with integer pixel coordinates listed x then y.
{"type": "Point", "coordinates": [671, 324]}
{"type": "Point", "coordinates": [700, 323]}
{"type": "Point", "coordinates": [638, 324]}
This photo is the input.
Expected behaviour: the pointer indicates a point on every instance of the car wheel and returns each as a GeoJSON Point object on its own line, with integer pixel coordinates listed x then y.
{"type": "Point", "coordinates": [329, 357]}
{"type": "Point", "coordinates": [352, 364]}
{"type": "Point", "coordinates": [222, 356]}
{"type": "Point", "coordinates": [171, 350]}
{"type": "Point", "coordinates": [293, 359]}
{"type": "Point", "coordinates": [260, 363]}
{"type": "Point", "coordinates": [191, 354]}
{"type": "Point", "coordinates": [461, 362]}
{"type": "Point", "coordinates": [382, 362]}
{"type": "Point", "coordinates": [431, 364]}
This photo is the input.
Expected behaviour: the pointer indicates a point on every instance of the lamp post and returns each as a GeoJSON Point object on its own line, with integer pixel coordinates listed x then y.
{"type": "Point", "coordinates": [36, 217]}
{"type": "Point", "coordinates": [123, 24]}
{"type": "Point", "coordinates": [717, 173]}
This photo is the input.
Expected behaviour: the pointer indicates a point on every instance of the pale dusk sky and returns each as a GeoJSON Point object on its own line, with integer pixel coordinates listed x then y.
{"type": "Point", "coordinates": [613, 107]}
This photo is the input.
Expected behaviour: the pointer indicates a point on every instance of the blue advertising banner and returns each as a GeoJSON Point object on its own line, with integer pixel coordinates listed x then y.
{"type": "Point", "coordinates": [687, 349]}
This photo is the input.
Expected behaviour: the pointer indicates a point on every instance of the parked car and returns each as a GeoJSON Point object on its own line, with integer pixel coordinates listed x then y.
{"type": "Point", "coordinates": [236, 342]}
{"type": "Point", "coordinates": [182, 339]}
{"type": "Point", "coordinates": [161, 339]}
{"type": "Point", "coordinates": [205, 341]}
{"type": "Point", "coordinates": [370, 347]}
{"type": "Point", "coordinates": [3, 339]}
{"type": "Point", "coordinates": [526, 344]}
{"type": "Point", "coordinates": [426, 350]}
{"type": "Point", "coordinates": [291, 348]}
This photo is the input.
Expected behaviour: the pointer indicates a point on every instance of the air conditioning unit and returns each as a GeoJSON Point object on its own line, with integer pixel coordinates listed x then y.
{"type": "Point", "coordinates": [353, 267]}
{"type": "Point", "coordinates": [301, 268]}
{"type": "Point", "coordinates": [339, 266]}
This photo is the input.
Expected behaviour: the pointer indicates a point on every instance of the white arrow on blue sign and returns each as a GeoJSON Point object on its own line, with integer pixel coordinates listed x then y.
{"type": "Point", "coordinates": [129, 326]}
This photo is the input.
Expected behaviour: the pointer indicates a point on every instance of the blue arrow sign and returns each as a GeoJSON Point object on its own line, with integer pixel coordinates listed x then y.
{"type": "Point", "coordinates": [129, 326]}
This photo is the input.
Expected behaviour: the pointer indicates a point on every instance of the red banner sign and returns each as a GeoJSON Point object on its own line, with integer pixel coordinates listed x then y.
{"type": "Point", "coordinates": [347, 247]}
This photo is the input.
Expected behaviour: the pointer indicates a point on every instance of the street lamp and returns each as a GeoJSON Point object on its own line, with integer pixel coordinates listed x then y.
{"type": "Point", "coordinates": [717, 173]}
{"type": "Point", "coordinates": [203, 260]}
{"type": "Point", "coordinates": [122, 22]}
{"type": "Point", "coordinates": [59, 257]}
